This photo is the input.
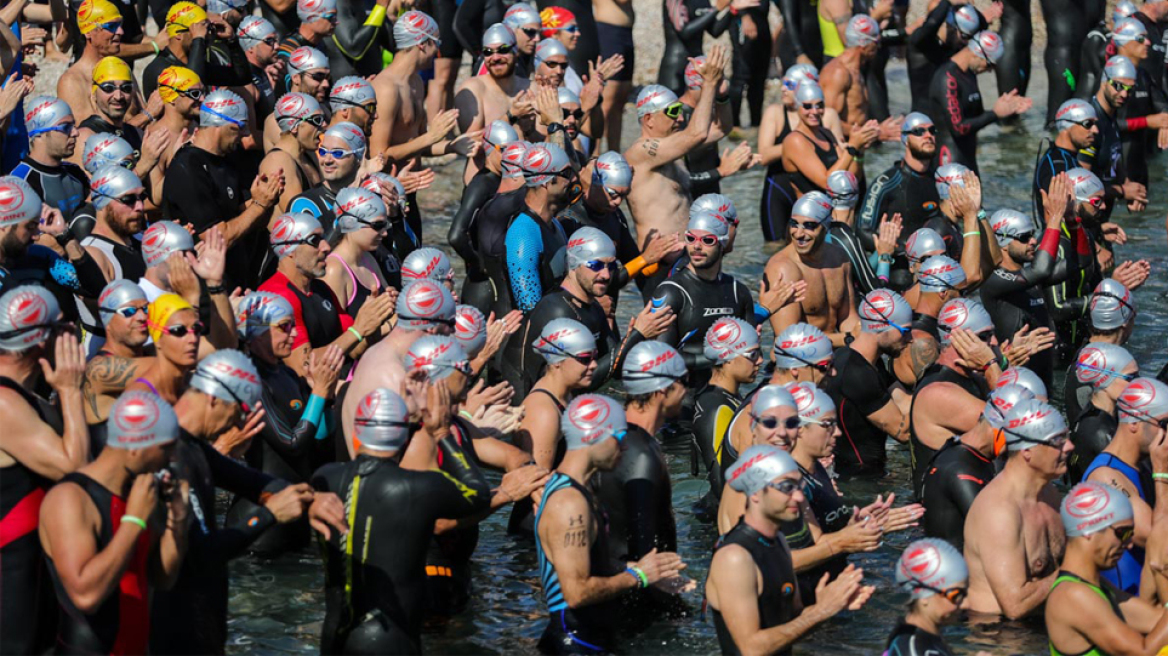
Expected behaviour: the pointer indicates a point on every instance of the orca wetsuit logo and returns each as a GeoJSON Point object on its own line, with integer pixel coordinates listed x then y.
{"type": "Point", "coordinates": [425, 299]}
{"type": "Point", "coordinates": [588, 416]}
{"type": "Point", "coordinates": [921, 563]}
{"type": "Point", "coordinates": [136, 419]}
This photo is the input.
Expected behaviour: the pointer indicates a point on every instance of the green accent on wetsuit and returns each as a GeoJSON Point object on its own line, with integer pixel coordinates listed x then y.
{"type": "Point", "coordinates": [1070, 77]}
{"type": "Point", "coordinates": [1093, 651]}
{"type": "Point", "coordinates": [832, 46]}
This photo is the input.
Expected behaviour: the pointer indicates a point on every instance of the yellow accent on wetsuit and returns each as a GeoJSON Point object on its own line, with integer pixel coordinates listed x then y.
{"type": "Point", "coordinates": [721, 429]}
{"type": "Point", "coordinates": [832, 45]}
{"type": "Point", "coordinates": [355, 490]}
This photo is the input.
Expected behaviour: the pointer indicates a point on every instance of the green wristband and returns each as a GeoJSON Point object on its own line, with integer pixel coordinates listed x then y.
{"type": "Point", "coordinates": [357, 334]}
{"type": "Point", "coordinates": [1160, 476]}
{"type": "Point", "coordinates": [464, 413]}
{"type": "Point", "coordinates": [137, 521]}
{"type": "Point", "coordinates": [975, 233]}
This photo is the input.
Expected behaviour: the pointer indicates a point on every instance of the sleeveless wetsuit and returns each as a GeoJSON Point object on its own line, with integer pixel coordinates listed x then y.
{"type": "Point", "coordinates": [65, 187]}
{"type": "Point", "coordinates": [829, 507]}
{"type": "Point", "coordinates": [920, 453]}
{"type": "Point", "coordinates": [522, 520]}
{"type": "Point", "coordinates": [490, 227]}
{"type": "Point", "coordinates": [859, 389]}
{"type": "Point", "coordinates": [476, 289]}
{"type": "Point", "coordinates": [319, 317]}
{"type": "Point", "coordinates": [359, 292]}
{"type": "Point", "coordinates": [638, 498]}
{"type": "Point", "coordinates": [1126, 574]}
{"type": "Point", "coordinates": [952, 480]}
{"type": "Point", "coordinates": [956, 104]}
{"type": "Point", "coordinates": [827, 156]}
{"type": "Point", "coordinates": [778, 197]}
{"type": "Point", "coordinates": [127, 263]}
{"type": "Point", "coordinates": [1104, 592]}
{"type": "Point", "coordinates": [714, 409]}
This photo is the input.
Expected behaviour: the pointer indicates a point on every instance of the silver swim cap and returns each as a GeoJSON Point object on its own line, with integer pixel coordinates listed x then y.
{"type": "Point", "coordinates": [1126, 31]}
{"type": "Point", "coordinates": [27, 316]}
{"type": "Point", "coordinates": [930, 566]}
{"type": "Point", "coordinates": [521, 14]}
{"type": "Point", "coordinates": [437, 355]}
{"type": "Point", "coordinates": [290, 231]}
{"type": "Point", "coordinates": [43, 113]}
{"type": "Point", "coordinates": [911, 122]}
{"type": "Point", "coordinates": [229, 375]}
{"type": "Point", "coordinates": [590, 419]}
{"type": "Point", "coordinates": [566, 96]}
{"type": "Point", "coordinates": [844, 189]}
{"type": "Point", "coordinates": [654, 98]}
{"type": "Point", "coordinates": [587, 244]}
{"type": "Point", "coordinates": [111, 183]}
{"type": "Point", "coordinates": [758, 467]}
{"type": "Point", "coordinates": [814, 205]}
{"type": "Point", "coordinates": [801, 345]}
{"type": "Point", "coordinates": [351, 91]}
{"type": "Point", "coordinates": [356, 208]}
{"type": "Point", "coordinates": [769, 397]}
{"type": "Point", "coordinates": [1031, 423]}
{"type": "Point", "coordinates": [382, 421]}
{"type": "Point", "coordinates": [427, 262]}
{"type": "Point", "coordinates": [294, 108]}
{"type": "Point", "coordinates": [19, 203]}
{"type": "Point", "coordinates": [470, 329]}
{"type": "Point", "coordinates": [223, 6]}
{"type": "Point", "coordinates": [1091, 507]}
{"type": "Point", "coordinates": [1024, 377]}
{"type": "Point", "coordinates": [693, 78]}
{"type": "Point", "coordinates": [253, 30]}
{"type": "Point", "coordinates": [541, 161]}
{"type": "Point", "coordinates": [881, 308]}
{"type": "Point", "coordinates": [424, 304]}
{"type": "Point", "coordinates": [940, 273]}
{"type": "Point", "coordinates": [310, 10]}
{"type": "Point", "coordinates": [710, 222]}
{"type": "Point", "coordinates": [923, 243]}
{"type": "Point", "coordinates": [549, 48]}
{"type": "Point", "coordinates": [307, 58]}
{"type": "Point", "coordinates": [729, 338]}
{"type": "Point", "coordinates": [1009, 224]}
{"type": "Point", "coordinates": [964, 313]}
{"type": "Point", "coordinates": [1086, 183]}
{"type": "Point", "coordinates": [966, 19]}
{"type": "Point", "coordinates": [650, 367]}
{"type": "Point", "coordinates": [498, 35]}
{"type": "Point", "coordinates": [222, 107]}
{"type": "Point", "coordinates": [808, 92]}
{"type": "Point", "coordinates": [612, 170]}
{"type": "Point", "coordinates": [163, 239]}
{"type": "Point", "coordinates": [800, 73]}
{"type": "Point", "coordinates": [140, 420]}
{"type": "Point", "coordinates": [1073, 112]}
{"type": "Point", "coordinates": [987, 45]}
{"type": "Point", "coordinates": [352, 136]}
{"type": "Point", "coordinates": [862, 29]}
{"type": "Point", "coordinates": [117, 294]}
{"type": "Point", "coordinates": [564, 338]}
{"type": "Point", "coordinates": [1099, 364]}
{"type": "Point", "coordinates": [414, 28]}
{"type": "Point", "coordinates": [104, 149]}
{"type": "Point", "coordinates": [718, 204]}
{"type": "Point", "coordinates": [1123, 9]}
{"type": "Point", "coordinates": [949, 174]}
{"type": "Point", "coordinates": [378, 181]}
{"type": "Point", "coordinates": [1111, 305]}
{"type": "Point", "coordinates": [1001, 400]}
{"type": "Point", "coordinates": [259, 311]}
{"type": "Point", "coordinates": [811, 402]}
{"type": "Point", "coordinates": [1146, 399]}
{"type": "Point", "coordinates": [499, 134]}
{"type": "Point", "coordinates": [513, 154]}
{"type": "Point", "coordinates": [1119, 68]}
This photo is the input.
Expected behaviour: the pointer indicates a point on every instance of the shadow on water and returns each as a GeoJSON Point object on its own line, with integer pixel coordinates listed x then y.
{"type": "Point", "coordinates": [277, 607]}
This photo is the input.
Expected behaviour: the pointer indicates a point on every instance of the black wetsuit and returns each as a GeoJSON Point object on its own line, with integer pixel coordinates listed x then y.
{"type": "Point", "coordinates": [779, 601]}
{"type": "Point", "coordinates": [265, 104]}
{"type": "Point", "coordinates": [42, 266]}
{"type": "Point", "coordinates": [284, 21]}
{"type": "Point", "coordinates": [714, 408]}
{"type": "Point", "coordinates": [217, 62]}
{"type": "Point", "coordinates": [830, 510]}
{"type": "Point", "coordinates": [926, 52]}
{"type": "Point", "coordinates": [1067, 25]}
{"type": "Point", "coordinates": [859, 389]}
{"type": "Point", "coordinates": [698, 303]}
{"type": "Point", "coordinates": [899, 190]}
{"type": "Point", "coordinates": [1092, 57]}
{"type": "Point", "coordinates": [955, 103]}
{"type": "Point", "coordinates": [616, 226]}
{"type": "Point", "coordinates": [65, 187]}
{"type": "Point", "coordinates": [473, 17]}
{"type": "Point", "coordinates": [1066, 300]}
{"type": "Point", "coordinates": [908, 640]}
{"type": "Point", "coordinates": [956, 474]}
{"type": "Point", "coordinates": [801, 34]}
{"type": "Point", "coordinates": [1015, 299]}
{"type": "Point", "coordinates": [638, 498]}
{"type": "Point", "coordinates": [686, 22]}
{"type": "Point", "coordinates": [1146, 98]}
{"type": "Point", "coordinates": [476, 289]}
{"type": "Point", "coordinates": [851, 241]}
{"type": "Point", "coordinates": [191, 617]}
{"type": "Point", "coordinates": [1053, 161]}
{"type": "Point", "coordinates": [777, 197]}
{"type": "Point", "coordinates": [1105, 158]}
{"type": "Point", "coordinates": [490, 227]}
{"type": "Point", "coordinates": [375, 574]}
{"type": "Point", "coordinates": [1091, 432]}
{"type": "Point", "coordinates": [1076, 395]}
{"type": "Point", "coordinates": [355, 48]}
{"type": "Point", "coordinates": [131, 134]}
{"type": "Point", "coordinates": [749, 65]}
{"type": "Point", "coordinates": [920, 454]}
{"type": "Point", "coordinates": [951, 234]}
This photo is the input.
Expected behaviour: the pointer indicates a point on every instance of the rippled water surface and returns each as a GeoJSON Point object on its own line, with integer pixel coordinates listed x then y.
{"type": "Point", "coordinates": [277, 606]}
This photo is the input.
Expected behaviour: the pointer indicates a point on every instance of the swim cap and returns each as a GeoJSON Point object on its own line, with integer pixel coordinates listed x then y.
{"type": "Point", "coordinates": [498, 35]}
{"type": "Point", "coordinates": [880, 308]}
{"type": "Point", "coordinates": [844, 189]}
{"type": "Point", "coordinates": [1073, 112]}
{"type": "Point", "coordinates": [290, 231]}
{"type": "Point", "coordinates": [19, 203]}
{"type": "Point", "coordinates": [1091, 507]}
{"type": "Point", "coordinates": [939, 273]}
{"type": "Point", "coordinates": [693, 79]}
{"type": "Point", "coordinates": [769, 397]}
{"type": "Point", "coordinates": [229, 375]}
{"type": "Point", "coordinates": [307, 58]}
{"type": "Point", "coordinates": [554, 19]}
{"type": "Point", "coordinates": [351, 91]}
{"type": "Point", "coordinates": [651, 366]}
{"type": "Point", "coordinates": [1111, 305]}
{"type": "Point", "coordinates": [814, 205]}
{"type": "Point", "coordinates": [513, 154]}
{"type": "Point", "coordinates": [424, 304]}
{"type": "Point", "coordinates": [1123, 9]}
{"type": "Point", "coordinates": [140, 420]}
{"type": "Point", "coordinates": [499, 134]}
{"type": "Point", "coordinates": [111, 69]}
{"type": "Point", "coordinates": [1119, 68]}
{"type": "Point", "coordinates": [1024, 377]}
{"type": "Point", "coordinates": [427, 262]}
{"type": "Point", "coordinates": [1000, 401]}
{"type": "Point", "coordinates": [923, 243]}
{"type": "Point", "coordinates": [1031, 422]}
{"type": "Point", "coordinates": [352, 135]}
{"type": "Point", "coordinates": [414, 28]}
{"type": "Point", "coordinates": [181, 16]}
{"type": "Point", "coordinates": [222, 107]}
{"type": "Point", "coordinates": [801, 345]}
{"type": "Point", "coordinates": [949, 174]}
{"type": "Point", "coordinates": [1009, 224]}
{"type": "Point", "coordinates": [1099, 364]}
{"type": "Point", "coordinates": [729, 338]}
{"type": "Point", "coordinates": [987, 45]}
{"type": "Point", "coordinates": [104, 149]}
{"type": "Point", "coordinates": [862, 29]}
{"type": "Point", "coordinates": [116, 294]}
{"type": "Point", "coordinates": [470, 329]}
{"type": "Point", "coordinates": [566, 96]}
{"type": "Point", "coordinates": [811, 402]}
{"type": "Point", "coordinates": [1086, 183]}
{"type": "Point", "coordinates": [542, 160]}
{"type": "Point", "coordinates": [521, 14]}
{"type": "Point", "coordinates": [612, 170]}
{"type": "Point", "coordinates": [253, 30]}
{"type": "Point", "coordinates": [911, 122]}
{"type": "Point", "coordinates": [224, 6]}
{"type": "Point", "coordinates": [965, 313]}
{"type": "Point", "coordinates": [110, 183]}
{"type": "Point", "coordinates": [709, 222]}
{"type": "Point", "coordinates": [161, 310]}
{"type": "Point", "coordinates": [45, 112]}
{"type": "Point", "coordinates": [758, 467]}
{"type": "Point", "coordinates": [1126, 31]}
{"type": "Point", "coordinates": [966, 19]}
{"type": "Point", "coordinates": [590, 419]}
{"type": "Point", "coordinates": [27, 316]}
{"type": "Point", "coordinates": [163, 239]}
{"type": "Point", "coordinates": [654, 98]}
{"type": "Point", "coordinates": [1145, 399]}
{"type": "Point", "coordinates": [549, 48]}
{"type": "Point", "coordinates": [717, 204]}
{"type": "Point", "coordinates": [930, 565]}
{"type": "Point", "coordinates": [382, 422]}
{"type": "Point", "coordinates": [560, 339]}
{"type": "Point", "coordinates": [356, 208]}
{"type": "Point", "coordinates": [259, 311]}
{"type": "Point", "coordinates": [310, 10]}
{"type": "Point", "coordinates": [378, 181]}
{"type": "Point", "coordinates": [294, 107]}
{"type": "Point", "coordinates": [173, 79]}
{"type": "Point", "coordinates": [800, 73]}
{"type": "Point", "coordinates": [808, 92]}
{"type": "Point", "coordinates": [93, 13]}
{"type": "Point", "coordinates": [588, 244]}
{"type": "Point", "coordinates": [438, 356]}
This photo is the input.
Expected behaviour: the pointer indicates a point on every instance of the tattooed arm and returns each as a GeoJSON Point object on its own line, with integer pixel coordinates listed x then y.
{"type": "Point", "coordinates": [566, 530]}
{"type": "Point", "coordinates": [108, 376]}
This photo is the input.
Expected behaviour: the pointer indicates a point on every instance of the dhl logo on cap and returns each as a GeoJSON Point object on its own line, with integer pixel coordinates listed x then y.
{"type": "Point", "coordinates": [93, 13]}
{"type": "Point", "coordinates": [182, 16]}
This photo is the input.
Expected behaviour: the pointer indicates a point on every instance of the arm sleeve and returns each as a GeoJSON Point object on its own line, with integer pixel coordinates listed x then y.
{"type": "Point", "coordinates": [197, 58]}
{"type": "Point", "coordinates": [1063, 309]}
{"type": "Point", "coordinates": [698, 17]}
{"type": "Point", "coordinates": [88, 279]}
{"type": "Point", "coordinates": [879, 195]}
{"type": "Point", "coordinates": [1041, 269]}
{"type": "Point", "coordinates": [611, 361]}
{"type": "Point", "coordinates": [792, 20]}
{"type": "Point", "coordinates": [460, 492]}
{"type": "Point", "coordinates": [186, 192]}
{"type": "Point", "coordinates": [459, 236]}
{"type": "Point", "coordinates": [231, 540]}
{"type": "Point", "coordinates": [524, 245]}
{"type": "Point", "coordinates": [291, 441]}
{"type": "Point", "coordinates": [933, 23]}
{"type": "Point", "coordinates": [963, 489]}
{"type": "Point", "coordinates": [353, 37]}
{"type": "Point", "coordinates": [669, 295]}
{"type": "Point", "coordinates": [641, 491]}
{"type": "Point", "coordinates": [236, 73]}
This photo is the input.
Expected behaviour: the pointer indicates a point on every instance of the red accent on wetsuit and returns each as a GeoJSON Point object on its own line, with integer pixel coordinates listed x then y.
{"type": "Point", "coordinates": [1135, 123]}
{"type": "Point", "coordinates": [953, 106]}
{"type": "Point", "coordinates": [22, 519]}
{"type": "Point", "coordinates": [279, 285]}
{"type": "Point", "coordinates": [1082, 243]}
{"type": "Point", "coordinates": [967, 477]}
{"type": "Point", "coordinates": [1050, 241]}
{"type": "Point", "coordinates": [133, 601]}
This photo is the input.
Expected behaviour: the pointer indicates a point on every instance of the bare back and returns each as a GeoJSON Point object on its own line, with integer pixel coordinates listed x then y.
{"type": "Point", "coordinates": [380, 367]}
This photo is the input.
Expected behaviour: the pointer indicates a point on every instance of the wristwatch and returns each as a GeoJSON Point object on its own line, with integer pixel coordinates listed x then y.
{"type": "Point", "coordinates": [65, 237]}
{"type": "Point", "coordinates": [555, 127]}
{"type": "Point", "coordinates": [848, 339]}
{"type": "Point", "coordinates": [853, 151]}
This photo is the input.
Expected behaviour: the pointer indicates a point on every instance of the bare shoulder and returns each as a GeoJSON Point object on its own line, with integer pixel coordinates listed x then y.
{"type": "Point", "coordinates": [781, 263]}
{"type": "Point", "coordinates": [472, 84]}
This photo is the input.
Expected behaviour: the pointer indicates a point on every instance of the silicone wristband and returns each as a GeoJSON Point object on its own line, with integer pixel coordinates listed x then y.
{"type": "Point", "coordinates": [642, 580]}
{"type": "Point", "coordinates": [357, 334]}
{"type": "Point", "coordinates": [376, 16]}
{"type": "Point", "coordinates": [136, 521]}
{"type": "Point", "coordinates": [635, 266]}
{"type": "Point", "coordinates": [972, 233]}
{"type": "Point", "coordinates": [1160, 476]}
{"type": "Point", "coordinates": [464, 413]}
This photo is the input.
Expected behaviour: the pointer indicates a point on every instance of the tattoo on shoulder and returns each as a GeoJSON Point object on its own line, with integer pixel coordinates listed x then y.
{"type": "Point", "coordinates": [576, 537]}
{"type": "Point", "coordinates": [651, 145]}
{"type": "Point", "coordinates": [110, 372]}
{"type": "Point", "coordinates": [922, 353]}
{"type": "Point", "coordinates": [1122, 488]}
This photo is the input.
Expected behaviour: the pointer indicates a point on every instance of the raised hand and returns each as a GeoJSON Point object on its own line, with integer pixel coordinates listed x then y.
{"type": "Point", "coordinates": [1132, 274]}
{"type": "Point", "coordinates": [652, 323]}
{"type": "Point", "coordinates": [323, 370]}
{"type": "Point", "coordinates": [68, 370]}
{"type": "Point", "coordinates": [660, 245]}
{"type": "Point", "coordinates": [1056, 201]}
{"type": "Point", "coordinates": [888, 234]}
{"type": "Point", "coordinates": [442, 125]}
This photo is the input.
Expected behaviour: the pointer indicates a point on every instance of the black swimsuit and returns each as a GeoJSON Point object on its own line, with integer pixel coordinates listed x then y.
{"type": "Point", "coordinates": [777, 197]}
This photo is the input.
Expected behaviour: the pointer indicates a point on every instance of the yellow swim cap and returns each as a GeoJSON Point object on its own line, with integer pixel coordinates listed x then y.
{"type": "Point", "coordinates": [111, 69]}
{"type": "Point", "coordinates": [161, 310]}
{"type": "Point", "coordinates": [182, 16]}
{"type": "Point", "coordinates": [174, 79]}
{"type": "Point", "coordinates": [95, 12]}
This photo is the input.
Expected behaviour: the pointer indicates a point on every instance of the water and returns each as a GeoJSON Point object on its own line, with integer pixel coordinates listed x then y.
{"type": "Point", "coordinates": [277, 606]}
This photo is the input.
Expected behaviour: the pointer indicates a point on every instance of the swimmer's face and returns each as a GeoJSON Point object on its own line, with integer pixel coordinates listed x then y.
{"type": "Point", "coordinates": [1118, 90]}
{"type": "Point", "coordinates": [129, 331]}
{"type": "Point", "coordinates": [527, 38]}
{"type": "Point", "coordinates": [782, 507]}
{"type": "Point", "coordinates": [1136, 49]}
{"type": "Point", "coordinates": [186, 104]}
{"type": "Point", "coordinates": [553, 69]}
{"type": "Point", "coordinates": [105, 42]}
{"type": "Point", "coordinates": [1112, 542]}
{"type": "Point", "coordinates": [779, 434]}
{"type": "Point", "coordinates": [674, 396]}
{"type": "Point", "coordinates": [703, 247]}
{"type": "Point", "coordinates": [311, 260]}
{"type": "Point", "coordinates": [332, 168]}
{"type": "Point", "coordinates": [1082, 137]}
{"type": "Point", "coordinates": [811, 113]}
{"type": "Point", "coordinates": [940, 607]}
{"type": "Point", "coordinates": [1091, 208]}
{"type": "Point", "coordinates": [1050, 458]}
{"type": "Point", "coordinates": [579, 368]}
{"type": "Point", "coordinates": [315, 83]}
{"type": "Point", "coordinates": [369, 237]}
{"type": "Point", "coordinates": [569, 35]}
{"type": "Point", "coordinates": [1023, 251]}
{"type": "Point", "coordinates": [596, 282]}
{"type": "Point", "coordinates": [181, 350]}
{"type": "Point", "coordinates": [115, 103]}
{"type": "Point", "coordinates": [16, 238]}
{"type": "Point", "coordinates": [279, 338]}
{"type": "Point", "coordinates": [744, 368]}
{"type": "Point", "coordinates": [501, 60]}
{"type": "Point", "coordinates": [572, 118]}
{"type": "Point", "coordinates": [806, 234]}
{"type": "Point", "coordinates": [819, 439]}
{"type": "Point", "coordinates": [923, 146]}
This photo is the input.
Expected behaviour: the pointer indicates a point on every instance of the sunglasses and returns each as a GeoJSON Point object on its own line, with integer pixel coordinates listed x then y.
{"type": "Point", "coordinates": [614, 194]}
{"type": "Point", "coordinates": [63, 128]}
{"type": "Point", "coordinates": [335, 153]}
{"type": "Point", "coordinates": [821, 367]}
{"type": "Point", "coordinates": [771, 423]}
{"type": "Point", "coordinates": [790, 85]}
{"type": "Point", "coordinates": [1120, 86]}
{"type": "Point", "coordinates": [330, 17]}
{"type": "Point", "coordinates": [1124, 534]}
{"type": "Point", "coordinates": [315, 120]}
{"type": "Point", "coordinates": [922, 131]}
{"type": "Point", "coordinates": [180, 331]}
{"type": "Point", "coordinates": [1022, 237]}
{"type": "Point", "coordinates": [193, 94]}
{"type": "Point", "coordinates": [1095, 201]}
{"type": "Point", "coordinates": [554, 65]}
{"type": "Point", "coordinates": [129, 200]}
{"type": "Point", "coordinates": [378, 226]}
{"type": "Point", "coordinates": [125, 312]}
{"type": "Point", "coordinates": [1086, 124]}
{"type": "Point", "coordinates": [577, 114]}
{"type": "Point", "coordinates": [312, 240]}
{"type": "Point", "coordinates": [597, 265]}
{"type": "Point", "coordinates": [284, 326]}
{"type": "Point", "coordinates": [807, 107]}
{"type": "Point", "coordinates": [110, 87]}
{"type": "Point", "coordinates": [500, 50]}
{"type": "Point", "coordinates": [319, 76]}
{"type": "Point", "coordinates": [530, 31]}
{"type": "Point", "coordinates": [234, 397]}
{"type": "Point", "coordinates": [1056, 444]}
{"type": "Point", "coordinates": [829, 424]}
{"type": "Point", "coordinates": [1140, 38]}
{"type": "Point", "coordinates": [673, 111]}
{"type": "Point", "coordinates": [706, 239]}
{"type": "Point", "coordinates": [585, 359]}
{"type": "Point", "coordinates": [271, 41]}
{"type": "Point", "coordinates": [954, 595]}
{"type": "Point", "coordinates": [571, 29]}
{"type": "Point", "coordinates": [785, 486]}
{"type": "Point", "coordinates": [809, 226]}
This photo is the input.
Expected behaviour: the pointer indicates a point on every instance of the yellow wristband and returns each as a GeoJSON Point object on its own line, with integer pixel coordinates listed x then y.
{"type": "Point", "coordinates": [634, 267]}
{"type": "Point", "coordinates": [651, 270]}
{"type": "Point", "coordinates": [376, 17]}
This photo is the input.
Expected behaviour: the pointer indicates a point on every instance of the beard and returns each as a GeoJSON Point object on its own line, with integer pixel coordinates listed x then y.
{"type": "Point", "coordinates": [12, 248]}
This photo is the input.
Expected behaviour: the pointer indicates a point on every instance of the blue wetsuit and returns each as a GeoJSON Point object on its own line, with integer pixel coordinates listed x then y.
{"type": "Point", "coordinates": [1125, 575]}
{"type": "Point", "coordinates": [536, 252]}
